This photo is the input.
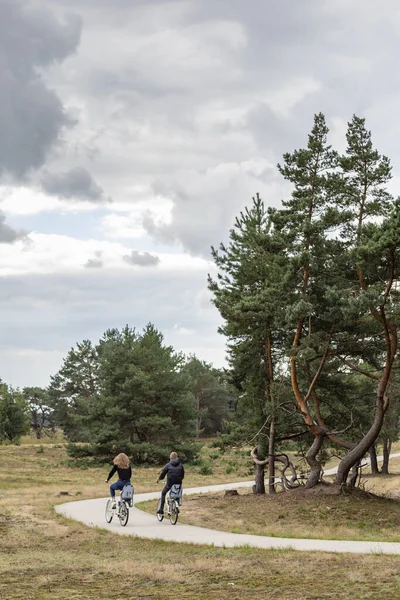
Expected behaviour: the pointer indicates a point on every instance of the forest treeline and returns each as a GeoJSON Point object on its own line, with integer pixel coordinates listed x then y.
{"type": "Point", "coordinates": [129, 392]}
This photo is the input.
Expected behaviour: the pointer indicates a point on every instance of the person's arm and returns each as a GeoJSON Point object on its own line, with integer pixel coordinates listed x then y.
{"type": "Point", "coordinates": [130, 471]}
{"type": "Point", "coordinates": [163, 473]}
{"type": "Point", "coordinates": [183, 472]}
{"type": "Point", "coordinates": [111, 473]}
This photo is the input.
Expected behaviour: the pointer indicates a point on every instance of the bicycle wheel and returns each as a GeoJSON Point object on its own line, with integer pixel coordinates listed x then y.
{"type": "Point", "coordinates": [123, 514]}
{"type": "Point", "coordinates": [173, 516]}
{"type": "Point", "coordinates": [109, 511]}
{"type": "Point", "coordinates": [159, 517]}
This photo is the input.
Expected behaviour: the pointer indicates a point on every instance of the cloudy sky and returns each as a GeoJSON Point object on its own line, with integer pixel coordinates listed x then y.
{"type": "Point", "coordinates": [133, 131]}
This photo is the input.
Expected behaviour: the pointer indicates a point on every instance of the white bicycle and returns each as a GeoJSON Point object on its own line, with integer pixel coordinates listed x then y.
{"type": "Point", "coordinates": [120, 508]}
{"type": "Point", "coordinates": [172, 502]}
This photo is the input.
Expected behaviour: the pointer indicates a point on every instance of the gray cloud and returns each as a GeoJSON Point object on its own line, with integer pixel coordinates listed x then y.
{"type": "Point", "coordinates": [31, 114]}
{"type": "Point", "coordinates": [53, 312]}
{"type": "Point", "coordinates": [8, 235]}
{"type": "Point", "coordinates": [142, 259]}
{"type": "Point", "coordinates": [186, 103]}
{"type": "Point", "coordinates": [77, 183]}
{"type": "Point", "coordinates": [194, 91]}
{"type": "Point", "coordinates": [94, 263]}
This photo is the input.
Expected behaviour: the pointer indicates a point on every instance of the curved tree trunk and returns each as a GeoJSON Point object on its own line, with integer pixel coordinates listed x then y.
{"type": "Point", "coordinates": [315, 465]}
{"type": "Point", "coordinates": [356, 454]}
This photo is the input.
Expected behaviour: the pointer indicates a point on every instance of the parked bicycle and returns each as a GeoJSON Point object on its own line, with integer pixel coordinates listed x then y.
{"type": "Point", "coordinates": [172, 503]}
{"type": "Point", "coordinates": [120, 508]}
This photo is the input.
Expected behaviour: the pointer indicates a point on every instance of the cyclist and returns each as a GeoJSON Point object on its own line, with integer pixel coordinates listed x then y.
{"type": "Point", "coordinates": [175, 473]}
{"type": "Point", "coordinates": [123, 467]}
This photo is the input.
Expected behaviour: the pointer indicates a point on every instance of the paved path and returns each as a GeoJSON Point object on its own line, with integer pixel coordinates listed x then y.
{"type": "Point", "coordinates": [145, 525]}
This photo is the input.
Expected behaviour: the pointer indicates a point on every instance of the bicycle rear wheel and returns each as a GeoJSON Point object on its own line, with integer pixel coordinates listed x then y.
{"type": "Point", "coordinates": [109, 511]}
{"type": "Point", "coordinates": [174, 514]}
{"type": "Point", "coordinates": [123, 514]}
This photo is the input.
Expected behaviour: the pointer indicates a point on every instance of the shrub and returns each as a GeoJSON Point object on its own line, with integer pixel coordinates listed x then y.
{"type": "Point", "coordinates": [206, 469]}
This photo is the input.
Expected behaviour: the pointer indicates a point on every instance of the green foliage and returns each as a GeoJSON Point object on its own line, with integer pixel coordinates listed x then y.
{"type": "Point", "coordinates": [248, 292]}
{"type": "Point", "coordinates": [139, 401]}
{"type": "Point", "coordinates": [307, 291]}
{"type": "Point", "coordinates": [206, 469]}
{"type": "Point", "coordinates": [14, 415]}
{"type": "Point", "coordinates": [212, 395]}
{"type": "Point", "coordinates": [73, 391]}
{"type": "Point", "coordinates": [41, 414]}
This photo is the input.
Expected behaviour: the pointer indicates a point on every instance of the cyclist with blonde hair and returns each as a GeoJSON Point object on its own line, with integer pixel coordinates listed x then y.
{"type": "Point", "coordinates": [123, 467]}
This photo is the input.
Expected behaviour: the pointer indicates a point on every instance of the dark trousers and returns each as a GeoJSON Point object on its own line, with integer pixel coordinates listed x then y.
{"type": "Point", "coordinates": [118, 485]}
{"type": "Point", "coordinates": [165, 491]}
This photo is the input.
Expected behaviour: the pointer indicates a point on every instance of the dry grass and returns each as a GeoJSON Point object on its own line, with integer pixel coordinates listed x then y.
{"type": "Point", "coordinates": [296, 514]}
{"type": "Point", "coordinates": [44, 556]}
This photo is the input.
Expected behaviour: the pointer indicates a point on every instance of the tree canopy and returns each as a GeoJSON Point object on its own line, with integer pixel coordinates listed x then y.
{"type": "Point", "coordinates": [133, 393]}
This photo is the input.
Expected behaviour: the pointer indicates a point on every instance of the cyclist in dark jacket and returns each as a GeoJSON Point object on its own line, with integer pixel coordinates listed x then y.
{"type": "Point", "coordinates": [175, 473]}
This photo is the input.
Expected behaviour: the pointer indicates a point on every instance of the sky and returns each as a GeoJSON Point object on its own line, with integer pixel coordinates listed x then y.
{"type": "Point", "coordinates": [132, 133]}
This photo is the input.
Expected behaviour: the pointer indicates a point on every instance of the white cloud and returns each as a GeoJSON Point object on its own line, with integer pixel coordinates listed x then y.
{"type": "Point", "coordinates": [60, 254]}
{"type": "Point", "coordinates": [22, 201]}
{"type": "Point", "coordinates": [130, 224]}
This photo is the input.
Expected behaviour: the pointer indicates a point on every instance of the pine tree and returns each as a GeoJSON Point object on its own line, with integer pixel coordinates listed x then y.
{"type": "Point", "coordinates": [74, 389]}
{"type": "Point", "coordinates": [41, 414]}
{"type": "Point", "coordinates": [306, 229]}
{"type": "Point", "coordinates": [212, 395]}
{"type": "Point", "coordinates": [143, 405]}
{"type": "Point", "coordinates": [247, 293]}
{"type": "Point", "coordinates": [372, 235]}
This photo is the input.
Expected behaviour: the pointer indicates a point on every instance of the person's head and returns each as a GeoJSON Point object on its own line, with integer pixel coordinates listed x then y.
{"type": "Point", "coordinates": [122, 461]}
{"type": "Point", "coordinates": [173, 455]}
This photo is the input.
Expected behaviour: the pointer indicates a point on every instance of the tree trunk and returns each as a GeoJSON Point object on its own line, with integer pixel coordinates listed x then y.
{"type": "Point", "coordinates": [387, 446]}
{"type": "Point", "coordinates": [356, 454]}
{"type": "Point", "coordinates": [354, 475]}
{"type": "Point", "coordinates": [271, 453]}
{"type": "Point", "coordinates": [259, 487]}
{"type": "Point", "coordinates": [374, 460]}
{"type": "Point", "coordinates": [315, 465]}
{"type": "Point", "coordinates": [198, 417]}
{"type": "Point", "coordinates": [259, 482]}
{"type": "Point", "coordinates": [198, 428]}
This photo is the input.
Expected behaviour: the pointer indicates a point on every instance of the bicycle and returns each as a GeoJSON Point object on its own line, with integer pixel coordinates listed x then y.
{"type": "Point", "coordinates": [172, 502]}
{"type": "Point", "coordinates": [121, 509]}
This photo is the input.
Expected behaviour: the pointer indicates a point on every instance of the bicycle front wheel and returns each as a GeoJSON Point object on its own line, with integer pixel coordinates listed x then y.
{"type": "Point", "coordinates": [123, 514]}
{"type": "Point", "coordinates": [159, 517]}
{"type": "Point", "coordinates": [173, 517]}
{"type": "Point", "coordinates": [109, 511]}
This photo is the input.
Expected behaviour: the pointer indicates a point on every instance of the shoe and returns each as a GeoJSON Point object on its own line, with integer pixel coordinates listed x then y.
{"type": "Point", "coordinates": [160, 512]}
{"type": "Point", "coordinates": [114, 505]}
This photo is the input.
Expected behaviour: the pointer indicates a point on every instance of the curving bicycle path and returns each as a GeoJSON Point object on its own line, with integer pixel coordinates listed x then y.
{"type": "Point", "coordinates": [145, 525]}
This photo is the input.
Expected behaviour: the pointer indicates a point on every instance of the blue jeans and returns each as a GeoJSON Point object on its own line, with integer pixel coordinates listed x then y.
{"type": "Point", "coordinates": [118, 485]}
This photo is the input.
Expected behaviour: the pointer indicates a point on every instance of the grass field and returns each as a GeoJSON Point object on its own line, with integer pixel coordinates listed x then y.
{"type": "Point", "coordinates": [45, 556]}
